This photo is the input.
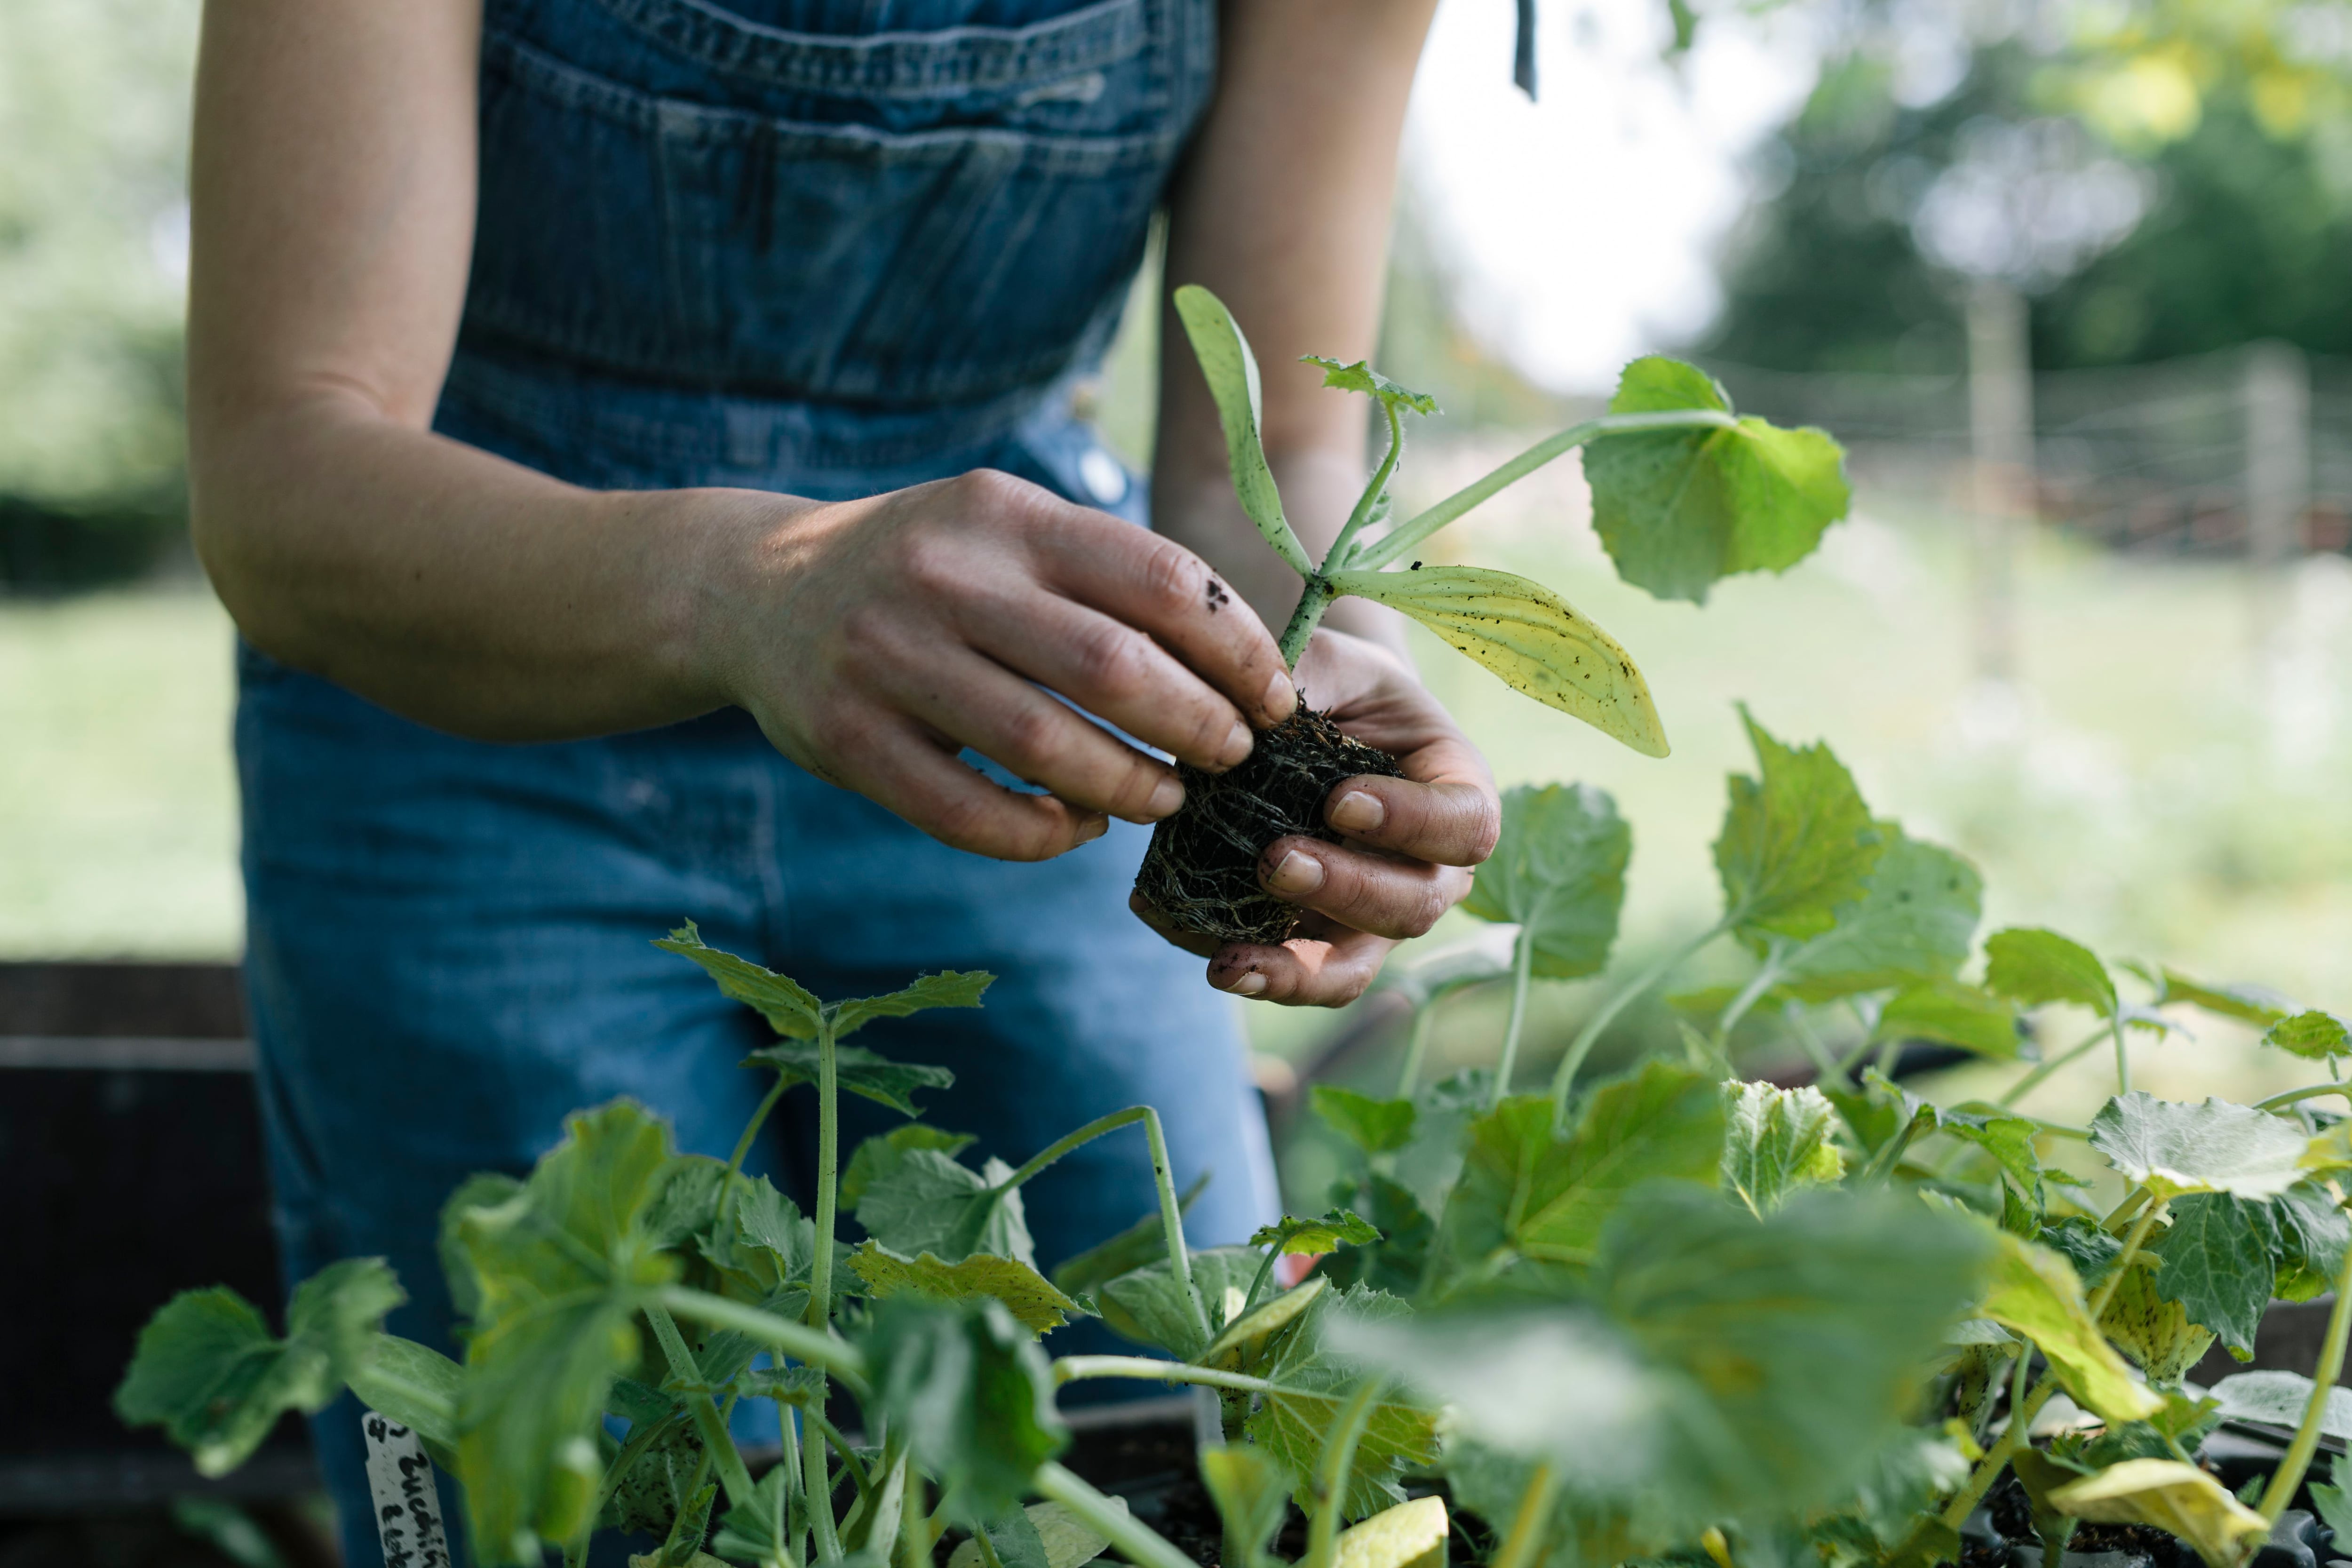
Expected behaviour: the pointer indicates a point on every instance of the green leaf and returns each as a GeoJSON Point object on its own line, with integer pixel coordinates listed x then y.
{"type": "Point", "coordinates": [2217, 1260]}
{"type": "Point", "coordinates": [948, 988]}
{"type": "Point", "coordinates": [1538, 643]}
{"type": "Point", "coordinates": [1527, 1192]}
{"type": "Point", "coordinates": [881, 1154]}
{"type": "Point", "coordinates": [1231, 371]}
{"type": "Point", "coordinates": [968, 1389]}
{"type": "Point", "coordinates": [409, 1383]}
{"type": "Point", "coordinates": [2315, 1033]}
{"type": "Point", "coordinates": [2278, 1398]}
{"type": "Point", "coordinates": [1374, 1126]}
{"type": "Point", "coordinates": [1315, 1379]}
{"type": "Point", "coordinates": [2314, 1233]}
{"type": "Point", "coordinates": [2252, 1005]}
{"type": "Point", "coordinates": [1244, 1339]}
{"type": "Point", "coordinates": [1130, 1249]}
{"type": "Point", "coordinates": [2170, 1496]}
{"type": "Point", "coordinates": [1559, 872]}
{"type": "Point", "coordinates": [2007, 1138]}
{"type": "Point", "coordinates": [2034, 967]}
{"type": "Point", "coordinates": [483, 1189]}
{"type": "Point", "coordinates": [1060, 1538]}
{"type": "Point", "coordinates": [791, 1008]}
{"type": "Point", "coordinates": [1396, 1262]}
{"type": "Point", "coordinates": [1797, 844]}
{"type": "Point", "coordinates": [1776, 1140]}
{"type": "Point", "coordinates": [1252, 1494]}
{"type": "Point", "coordinates": [1911, 927]}
{"type": "Point", "coordinates": [1024, 1292]}
{"type": "Point", "coordinates": [1361, 377]}
{"type": "Point", "coordinates": [1723, 1365]}
{"type": "Point", "coordinates": [1313, 1237]}
{"type": "Point", "coordinates": [1954, 1013]}
{"type": "Point", "coordinates": [2034, 1292]}
{"type": "Point", "coordinates": [1677, 510]}
{"type": "Point", "coordinates": [1148, 1306]}
{"type": "Point", "coordinates": [563, 1266]}
{"type": "Point", "coordinates": [928, 1203]}
{"type": "Point", "coordinates": [649, 1497]}
{"type": "Point", "coordinates": [758, 1530]}
{"type": "Point", "coordinates": [2328, 1499]}
{"type": "Point", "coordinates": [2172, 1148]}
{"type": "Point", "coordinates": [208, 1371]}
{"type": "Point", "coordinates": [1424, 975]}
{"type": "Point", "coordinates": [858, 1070]}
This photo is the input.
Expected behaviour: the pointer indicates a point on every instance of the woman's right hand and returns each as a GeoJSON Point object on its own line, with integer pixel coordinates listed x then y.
{"type": "Point", "coordinates": [875, 640]}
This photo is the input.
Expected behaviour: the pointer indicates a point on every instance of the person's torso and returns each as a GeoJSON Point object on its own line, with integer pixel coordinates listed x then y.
{"type": "Point", "coordinates": [877, 205]}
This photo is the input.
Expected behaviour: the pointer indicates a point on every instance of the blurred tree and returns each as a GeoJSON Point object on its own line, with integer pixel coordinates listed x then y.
{"type": "Point", "coordinates": [93, 247]}
{"type": "Point", "coordinates": [2156, 190]}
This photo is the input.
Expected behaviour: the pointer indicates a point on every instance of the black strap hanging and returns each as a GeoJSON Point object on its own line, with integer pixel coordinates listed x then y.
{"type": "Point", "coordinates": [1523, 58]}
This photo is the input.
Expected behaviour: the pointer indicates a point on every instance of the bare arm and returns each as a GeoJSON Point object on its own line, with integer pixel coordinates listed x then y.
{"type": "Point", "coordinates": [333, 191]}
{"type": "Point", "coordinates": [1283, 211]}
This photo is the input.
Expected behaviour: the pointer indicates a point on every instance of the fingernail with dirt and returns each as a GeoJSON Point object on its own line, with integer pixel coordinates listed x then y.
{"type": "Point", "coordinates": [1281, 698]}
{"type": "Point", "coordinates": [1166, 797]}
{"type": "Point", "coordinates": [1249, 984]}
{"type": "Point", "coordinates": [1298, 875]}
{"type": "Point", "coordinates": [1358, 811]}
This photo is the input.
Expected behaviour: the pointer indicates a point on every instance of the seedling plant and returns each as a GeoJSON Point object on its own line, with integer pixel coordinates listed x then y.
{"type": "Point", "coordinates": [1669, 1316]}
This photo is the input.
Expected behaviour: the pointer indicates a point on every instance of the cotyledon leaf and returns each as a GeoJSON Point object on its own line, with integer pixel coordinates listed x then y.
{"type": "Point", "coordinates": [1679, 509]}
{"type": "Point", "coordinates": [1148, 1305]}
{"type": "Point", "coordinates": [1244, 1338]}
{"type": "Point", "coordinates": [2170, 1496]}
{"type": "Point", "coordinates": [1409, 1533]}
{"type": "Point", "coordinates": [1232, 374]}
{"type": "Point", "coordinates": [2035, 1292]}
{"type": "Point", "coordinates": [1026, 1293]}
{"type": "Point", "coordinates": [1534, 640]}
{"type": "Point", "coordinates": [1252, 1494]}
{"type": "Point", "coordinates": [1066, 1541]}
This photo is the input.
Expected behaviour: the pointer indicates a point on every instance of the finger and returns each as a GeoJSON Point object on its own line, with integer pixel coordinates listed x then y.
{"type": "Point", "coordinates": [1327, 971]}
{"type": "Point", "coordinates": [1149, 913]}
{"type": "Point", "coordinates": [1450, 821]}
{"type": "Point", "coordinates": [908, 773]}
{"type": "Point", "coordinates": [1113, 670]}
{"type": "Point", "coordinates": [1376, 893]}
{"type": "Point", "coordinates": [1157, 586]}
{"type": "Point", "coordinates": [980, 704]}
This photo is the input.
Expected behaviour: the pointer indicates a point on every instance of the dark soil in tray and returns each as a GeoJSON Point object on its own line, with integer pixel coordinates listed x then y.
{"type": "Point", "coordinates": [1201, 869]}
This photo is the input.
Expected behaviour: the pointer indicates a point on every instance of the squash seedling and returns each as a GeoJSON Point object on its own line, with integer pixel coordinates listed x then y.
{"type": "Point", "coordinates": [1684, 492]}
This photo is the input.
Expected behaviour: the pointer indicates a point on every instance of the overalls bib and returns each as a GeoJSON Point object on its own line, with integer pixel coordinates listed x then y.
{"type": "Point", "coordinates": [828, 248]}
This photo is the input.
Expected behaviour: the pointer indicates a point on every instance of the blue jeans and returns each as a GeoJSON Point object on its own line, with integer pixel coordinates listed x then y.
{"type": "Point", "coordinates": [450, 947]}
{"type": "Point", "coordinates": [826, 247]}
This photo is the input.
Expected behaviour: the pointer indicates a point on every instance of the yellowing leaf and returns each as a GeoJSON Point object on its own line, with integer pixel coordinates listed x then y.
{"type": "Point", "coordinates": [1028, 1294]}
{"type": "Point", "coordinates": [1408, 1534]}
{"type": "Point", "coordinates": [1244, 1337]}
{"type": "Point", "coordinates": [1530, 637]}
{"type": "Point", "coordinates": [2170, 1496]}
{"type": "Point", "coordinates": [1232, 373]}
{"type": "Point", "coordinates": [2035, 1292]}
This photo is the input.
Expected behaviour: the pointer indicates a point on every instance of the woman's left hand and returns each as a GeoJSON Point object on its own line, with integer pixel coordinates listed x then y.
{"type": "Point", "coordinates": [1409, 841]}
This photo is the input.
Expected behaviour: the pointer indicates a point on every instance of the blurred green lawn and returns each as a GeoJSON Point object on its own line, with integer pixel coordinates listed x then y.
{"type": "Point", "coordinates": [2148, 791]}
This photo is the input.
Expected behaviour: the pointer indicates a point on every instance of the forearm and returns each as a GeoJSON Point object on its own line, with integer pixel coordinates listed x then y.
{"type": "Point", "coordinates": [452, 586]}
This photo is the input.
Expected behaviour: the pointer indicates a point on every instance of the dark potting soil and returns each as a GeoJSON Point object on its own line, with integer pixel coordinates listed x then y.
{"type": "Point", "coordinates": [1201, 868]}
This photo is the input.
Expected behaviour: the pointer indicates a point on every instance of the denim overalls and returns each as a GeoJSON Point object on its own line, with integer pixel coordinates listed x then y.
{"type": "Point", "coordinates": [823, 246]}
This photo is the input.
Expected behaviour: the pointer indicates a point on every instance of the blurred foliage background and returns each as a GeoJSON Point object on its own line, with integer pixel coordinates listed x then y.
{"type": "Point", "coordinates": [2161, 182]}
